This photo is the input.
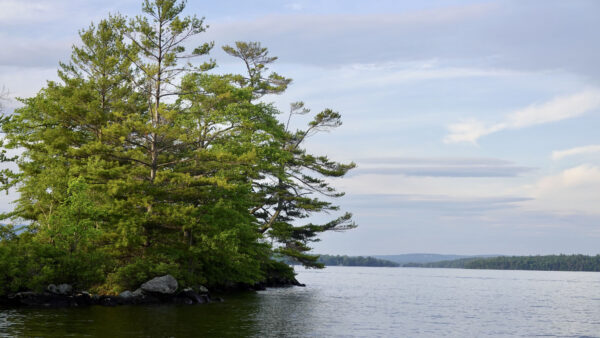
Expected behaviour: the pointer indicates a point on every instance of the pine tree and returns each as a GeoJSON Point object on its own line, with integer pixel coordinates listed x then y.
{"type": "Point", "coordinates": [139, 162]}
{"type": "Point", "coordinates": [291, 179]}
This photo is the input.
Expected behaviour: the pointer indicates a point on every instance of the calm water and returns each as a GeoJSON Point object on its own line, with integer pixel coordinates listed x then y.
{"type": "Point", "coordinates": [347, 301]}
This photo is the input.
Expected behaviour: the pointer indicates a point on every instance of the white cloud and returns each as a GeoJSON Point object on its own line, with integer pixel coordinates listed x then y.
{"type": "Point", "coordinates": [295, 6]}
{"type": "Point", "coordinates": [557, 109]}
{"type": "Point", "coordinates": [15, 11]}
{"type": "Point", "coordinates": [560, 154]}
{"type": "Point", "coordinates": [327, 39]}
{"type": "Point", "coordinates": [572, 191]}
{"type": "Point", "coordinates": [439, 167]}
{"type": "Point", "coordinates": [398, 73]}
{"type": "Point", "coordinates": [470, 131]}
{"type": "Point", "coordinates": [453, 187]}
{"type": "Point", "coordinates": [55, 12]}
{"type": "Point", "coordinates": [388, 75]}
{"type": "Point", "coordinates": [560, 108]}
{"type": "Point", "coordinates": [24, 81]}
{"type": "Point", "coordinates": [539, 38]}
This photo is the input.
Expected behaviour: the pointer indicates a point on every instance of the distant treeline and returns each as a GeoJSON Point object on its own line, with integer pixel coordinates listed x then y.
{"type": "Point", "coordinates": [329, 260]}
{"type": "Point", "coordinates": [454, 263]}
{"type": "Point", "coordinates": [545, 263]}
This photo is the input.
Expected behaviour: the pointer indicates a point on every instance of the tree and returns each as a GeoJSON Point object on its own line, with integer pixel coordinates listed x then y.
{"type": "Point", "coordinates": [290, 178]}
{"type": "Point", "coordinates": [144, 160]}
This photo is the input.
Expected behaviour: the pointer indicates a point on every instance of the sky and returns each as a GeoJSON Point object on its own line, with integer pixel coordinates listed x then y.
{"type": "Point", "coordinates": [473, 124]}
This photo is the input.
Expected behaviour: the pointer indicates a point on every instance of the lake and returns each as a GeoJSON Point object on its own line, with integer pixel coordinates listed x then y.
{"type": "Point", "coordinates": [353, 302]}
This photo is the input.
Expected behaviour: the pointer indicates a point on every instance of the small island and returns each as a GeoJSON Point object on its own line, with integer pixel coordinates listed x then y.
{"type": "Point", "coordinates": [143, 161]}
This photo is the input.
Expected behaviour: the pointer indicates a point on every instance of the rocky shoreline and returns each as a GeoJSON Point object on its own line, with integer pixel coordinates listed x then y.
{"type": "Point", "coordinates": [159, 290]}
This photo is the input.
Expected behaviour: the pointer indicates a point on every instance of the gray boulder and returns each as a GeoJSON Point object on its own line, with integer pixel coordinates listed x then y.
{"type": "Point", "coordinates": [65, 289]}
{"type": "Point", "coordinates": [126, 294]}
{"type": "Point", "coordinates": [202, 289]}
{"type": "Point", "coordinates": [188, 296]}
{"type": "Point", "coordinates": [61, 289]}
{"type": "Point", "coordinates": [52, 289]}
{"type": "Point", "coordinates": [166, 285]}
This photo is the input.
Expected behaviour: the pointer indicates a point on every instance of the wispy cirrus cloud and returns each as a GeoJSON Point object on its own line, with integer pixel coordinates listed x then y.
{"type": "Point", "coordinates": [440, 167]}
{"type": "Point", "coordinates": [589, 149]}
{"type": "Point", "coordinates": [448, 204]}
{"type": "Point", "coordinates": [326, 39]}
{"type": "Point", "coordinates": [557, 109]}
{"type": "Point", "coordinates": [538, 38]}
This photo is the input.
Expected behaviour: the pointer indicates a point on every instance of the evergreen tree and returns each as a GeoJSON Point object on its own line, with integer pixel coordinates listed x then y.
{"type": "Point", "coordinates": [139, 163]}
{"type": "Point", "coordinates": [291, 179]}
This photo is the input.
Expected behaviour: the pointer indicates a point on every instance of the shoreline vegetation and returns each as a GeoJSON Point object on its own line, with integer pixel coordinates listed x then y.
{"type": "Point", "coordinates": [142, 161]}
{"type": "Point", "coordinates": [539, 263]}
{"type": "Point", "coordinates": [487, 262]}
{"type": "Point", "coordinates": [159, 290]}
{"type": "Point", "coordinates": [339, 260]}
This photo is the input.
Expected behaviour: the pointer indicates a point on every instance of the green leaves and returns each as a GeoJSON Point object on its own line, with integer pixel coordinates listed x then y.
{"type": "Point", "coordinates": [291, 183]}
{"type": "Point", "coordinates": [256, 59]}
{"type": "Point", "coordinates": [139, 162]}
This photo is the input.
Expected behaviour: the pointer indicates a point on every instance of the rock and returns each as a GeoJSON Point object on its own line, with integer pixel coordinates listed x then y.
{"type": "Point", "coordinates": [45, 299]}
{"type": "Point", "coordinates": [82, 298]}
{"type": "Point", "coordinates": [166, 285]}
{"type": "Point", "coordinates": [61, 289]}
{"type": "Point", "coordinates": [26, 298]}
{"type": "Point", "coordinates": [139, 297]}
{"type": "Point", "coordinates": [108, 301]}
{"type": "Point", "coordinates": [52, 289]}
{"type": "Point", "coordinates": [64, 289]}
{"type": "Point", "coordinates": [190, 295]}
{"type": "Point", "coordinates": [159, 290]}
{"type": "Point", "coordinates": [148, 299]}
{"type": "Point", "coordinates": [126, 294]}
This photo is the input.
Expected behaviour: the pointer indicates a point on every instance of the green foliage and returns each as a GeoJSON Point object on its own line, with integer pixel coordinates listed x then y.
{"type": "Point", "coordinates": [290, 179]}
{"type": "Point", "coordinates": [66, 249]}
{"type": "Point", "coordinates": [277, 270]}
{"type": "Point", "coordinates": [545, 263]}
{"type": "Point", "coordinates": [451, 264]}
{"type": "Point", "coordinates": [329, 260]}
{"type": "Point", "coordinates": [139, 163]}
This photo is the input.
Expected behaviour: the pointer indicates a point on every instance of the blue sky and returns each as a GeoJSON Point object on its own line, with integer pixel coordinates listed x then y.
{"type": "Point", "coordinates": [474, 124]}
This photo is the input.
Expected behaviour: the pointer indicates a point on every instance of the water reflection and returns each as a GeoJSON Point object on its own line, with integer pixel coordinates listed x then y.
{"type": "Point", "coordinates": [286, 312]}
{"type": "Point", "coordinates": [363, 302]}
{"type": "Point", "coordinates": [233, 318]}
